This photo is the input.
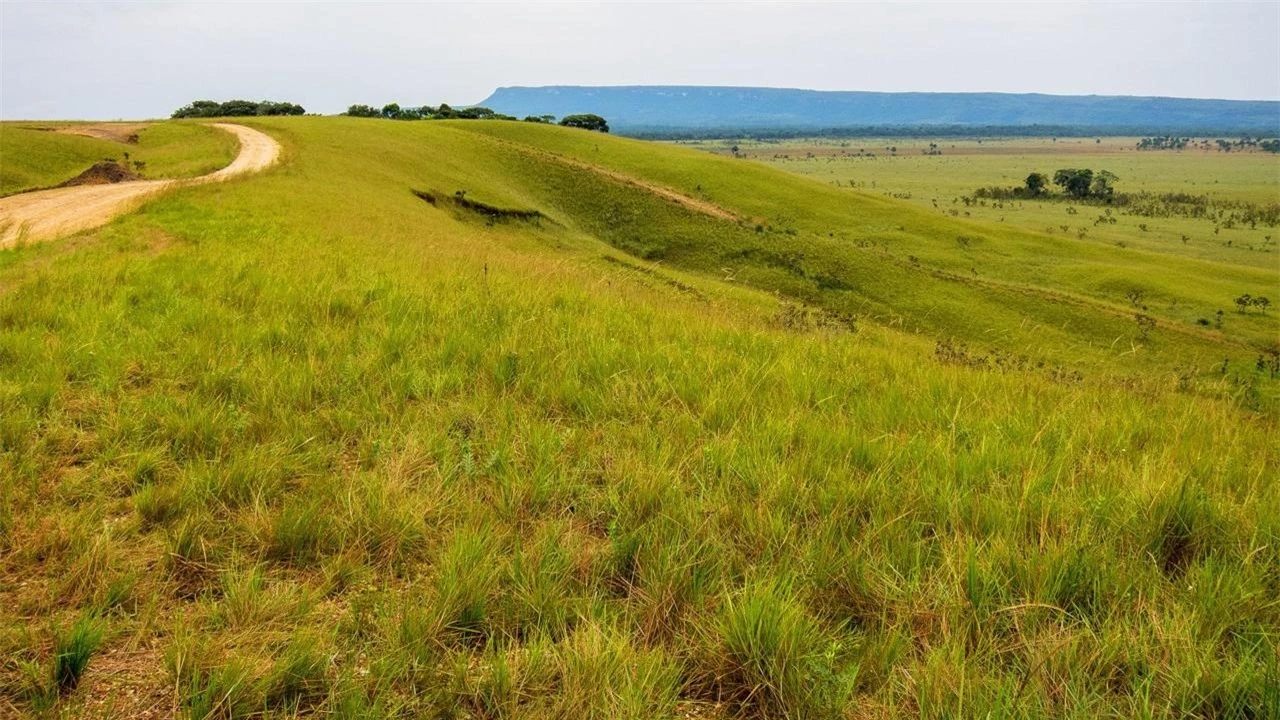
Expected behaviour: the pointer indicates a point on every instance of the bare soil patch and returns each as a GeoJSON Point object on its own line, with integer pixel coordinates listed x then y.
{"type": "Point", "coordinates": [116, 132]}
{"type": "Point", "coordinates": [106, 172]}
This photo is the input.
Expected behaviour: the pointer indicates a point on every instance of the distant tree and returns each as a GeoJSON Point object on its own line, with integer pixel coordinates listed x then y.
{"type": "Point", "coordinates": [363, 111]}
{"type": "Point", "coordinates": [268, 107]}
{"type": "Point", "coordinates": [586, 121]}
{"type": "Point", "coordinates": [542, 119]}
{"type": "Point", "coordinates": [1243, 302]}
{"type": "Point", "coordinates": [1102, 187]}
{"type": "Point", "coordinates": [476, 112]}
{"type": "Point", "coordinates": [391, 110]}
{"type": "Point", "coordinates": [1262, 303]}
{"type": "Point", "coordinates": [237, 108]}
{"type": "Point", "coordinates": [1075, 183]}
{"type": "Point", "coordinates": [198, 109]}
{"type": "Point", "coordinates": [1036, 184]}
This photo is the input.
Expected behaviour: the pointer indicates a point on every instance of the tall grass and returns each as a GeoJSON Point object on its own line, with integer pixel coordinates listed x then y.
{"type": "Point", "coordinates": [353, 455]}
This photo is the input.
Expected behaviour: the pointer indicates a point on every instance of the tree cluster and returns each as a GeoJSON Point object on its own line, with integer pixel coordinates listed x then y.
{"type": "Point", "coordinates": [393, 111]}
{"type": "Point", "coordinates": [1081, 184]}
{"type": "Point", "coordinates": [586, 121]}
{"type": "Point", "coordinates": [237, 108]}
{"type": "Point", "coordinates": [1246, 301]}
{"type": "Point", "coordinates": [1085, 183]}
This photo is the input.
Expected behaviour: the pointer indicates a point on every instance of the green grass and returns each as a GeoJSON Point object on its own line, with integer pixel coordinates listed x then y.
{"type": "Point", "coordinates": [365, 457]}
{"type": "Point", "coordinates": [72, 650]}
{"type": "Point", "coordinates": [39, 158]}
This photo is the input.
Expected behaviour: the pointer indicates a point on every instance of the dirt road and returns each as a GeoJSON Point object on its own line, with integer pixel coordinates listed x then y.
{"type": "Point", "coordinates": [46, 214]}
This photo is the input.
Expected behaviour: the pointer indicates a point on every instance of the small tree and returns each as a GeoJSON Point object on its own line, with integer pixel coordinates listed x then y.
{"type": "Point", "coordinates": [586, 121]}
{"type": "Point", "coordinates": [1243, 302]}
{"type": "Point", "coordinates": [1102, 185]}
{"type": "Point", "coordinates": [1036, 184]}
{"type": "Point", "coordinates": [1262, 303]}
{"type": "Point", "coordinates": [1075, 183]}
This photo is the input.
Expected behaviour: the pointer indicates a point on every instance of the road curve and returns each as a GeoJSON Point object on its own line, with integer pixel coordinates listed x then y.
{"type": "Point", "coordinates": [46, 214]}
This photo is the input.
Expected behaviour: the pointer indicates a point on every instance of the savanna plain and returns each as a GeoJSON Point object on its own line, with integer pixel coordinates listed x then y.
{"type": "Point", "coordinates": [490, 419]}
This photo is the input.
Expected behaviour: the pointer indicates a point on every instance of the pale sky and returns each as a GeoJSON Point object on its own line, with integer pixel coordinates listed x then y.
{"type": "Point", "coordinates": [144, 59]}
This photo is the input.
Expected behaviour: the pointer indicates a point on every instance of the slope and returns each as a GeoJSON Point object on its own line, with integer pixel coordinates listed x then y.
{"type": "Point", "coordinates": [306, 444]}
{"type": "Point", "coordinates": [1046, 297]}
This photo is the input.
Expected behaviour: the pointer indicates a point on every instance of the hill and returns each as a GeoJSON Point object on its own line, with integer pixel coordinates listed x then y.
{"type": "Point", "coordinates": [489, 419]}
{"type": "Point", "coordinates": [686, 109]}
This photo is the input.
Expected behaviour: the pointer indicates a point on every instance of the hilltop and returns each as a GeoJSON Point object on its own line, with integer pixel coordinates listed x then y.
{"type": "Point", "coordinates": [702, 110]}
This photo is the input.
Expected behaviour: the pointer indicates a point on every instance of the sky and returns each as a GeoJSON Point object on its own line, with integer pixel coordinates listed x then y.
{"type": "Point", "coordinates": [144, 59]}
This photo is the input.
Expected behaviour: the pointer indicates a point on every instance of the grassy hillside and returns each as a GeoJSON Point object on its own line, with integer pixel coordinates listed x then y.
{"type": "Point", "coordinates": [307, 444]}
{"type": "Point", "coordinates": [40, 156]}
{"type": "Point", "coordinates": [1048, 297]}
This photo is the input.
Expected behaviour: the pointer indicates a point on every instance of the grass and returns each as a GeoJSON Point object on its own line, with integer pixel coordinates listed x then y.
{"type": "Point", "coordinates": [1021, 290]}
{"type": "Point", "coordinates": [40, 158]}
{"type": "Point", "coordinates": [367, 457]}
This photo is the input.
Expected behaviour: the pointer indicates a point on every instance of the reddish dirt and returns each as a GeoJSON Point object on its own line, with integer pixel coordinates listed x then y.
{"type": "Point", "coordinates": [107, 172]}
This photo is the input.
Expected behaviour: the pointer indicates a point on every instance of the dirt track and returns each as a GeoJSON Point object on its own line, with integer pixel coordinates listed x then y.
{"type": "Point", "coordinates": [47, 214]}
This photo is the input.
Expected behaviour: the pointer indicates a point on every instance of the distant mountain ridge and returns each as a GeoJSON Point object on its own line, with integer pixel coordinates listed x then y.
{"type": "Point", "coordinates": [659, 108]}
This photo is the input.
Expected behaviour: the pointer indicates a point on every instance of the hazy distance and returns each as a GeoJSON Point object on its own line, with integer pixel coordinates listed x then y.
{"type": "Point", "coordinates": [128, 60]}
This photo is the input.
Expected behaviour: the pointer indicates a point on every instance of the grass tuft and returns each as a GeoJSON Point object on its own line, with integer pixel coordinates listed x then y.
{"type": "Point", "coordinates": [72, 650]}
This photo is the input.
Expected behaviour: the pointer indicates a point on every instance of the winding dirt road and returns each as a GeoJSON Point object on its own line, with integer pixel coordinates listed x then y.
{"type": "Point", "coordinates": [46, 214]}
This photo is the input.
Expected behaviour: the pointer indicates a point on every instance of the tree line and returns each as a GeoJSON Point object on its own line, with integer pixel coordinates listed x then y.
{"type": "Point", "coordinates": [1180, 143]}
{"type": "Point", "coordinates": [394, 111]}
{"type": "Point", "coordinates": [236, 108]}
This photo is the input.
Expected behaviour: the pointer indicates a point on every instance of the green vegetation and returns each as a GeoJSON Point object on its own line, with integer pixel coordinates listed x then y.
{"type": "Point", "coordinates": [699, 440]}
{"type": "Point", "coordinates": [393, 111]}
{"type": "Point", "coordinates": [237, 108]}
{"type": "Point", "coordinates": [586, 121]}
{"type": "Point", "coordinates": [43, 156]}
